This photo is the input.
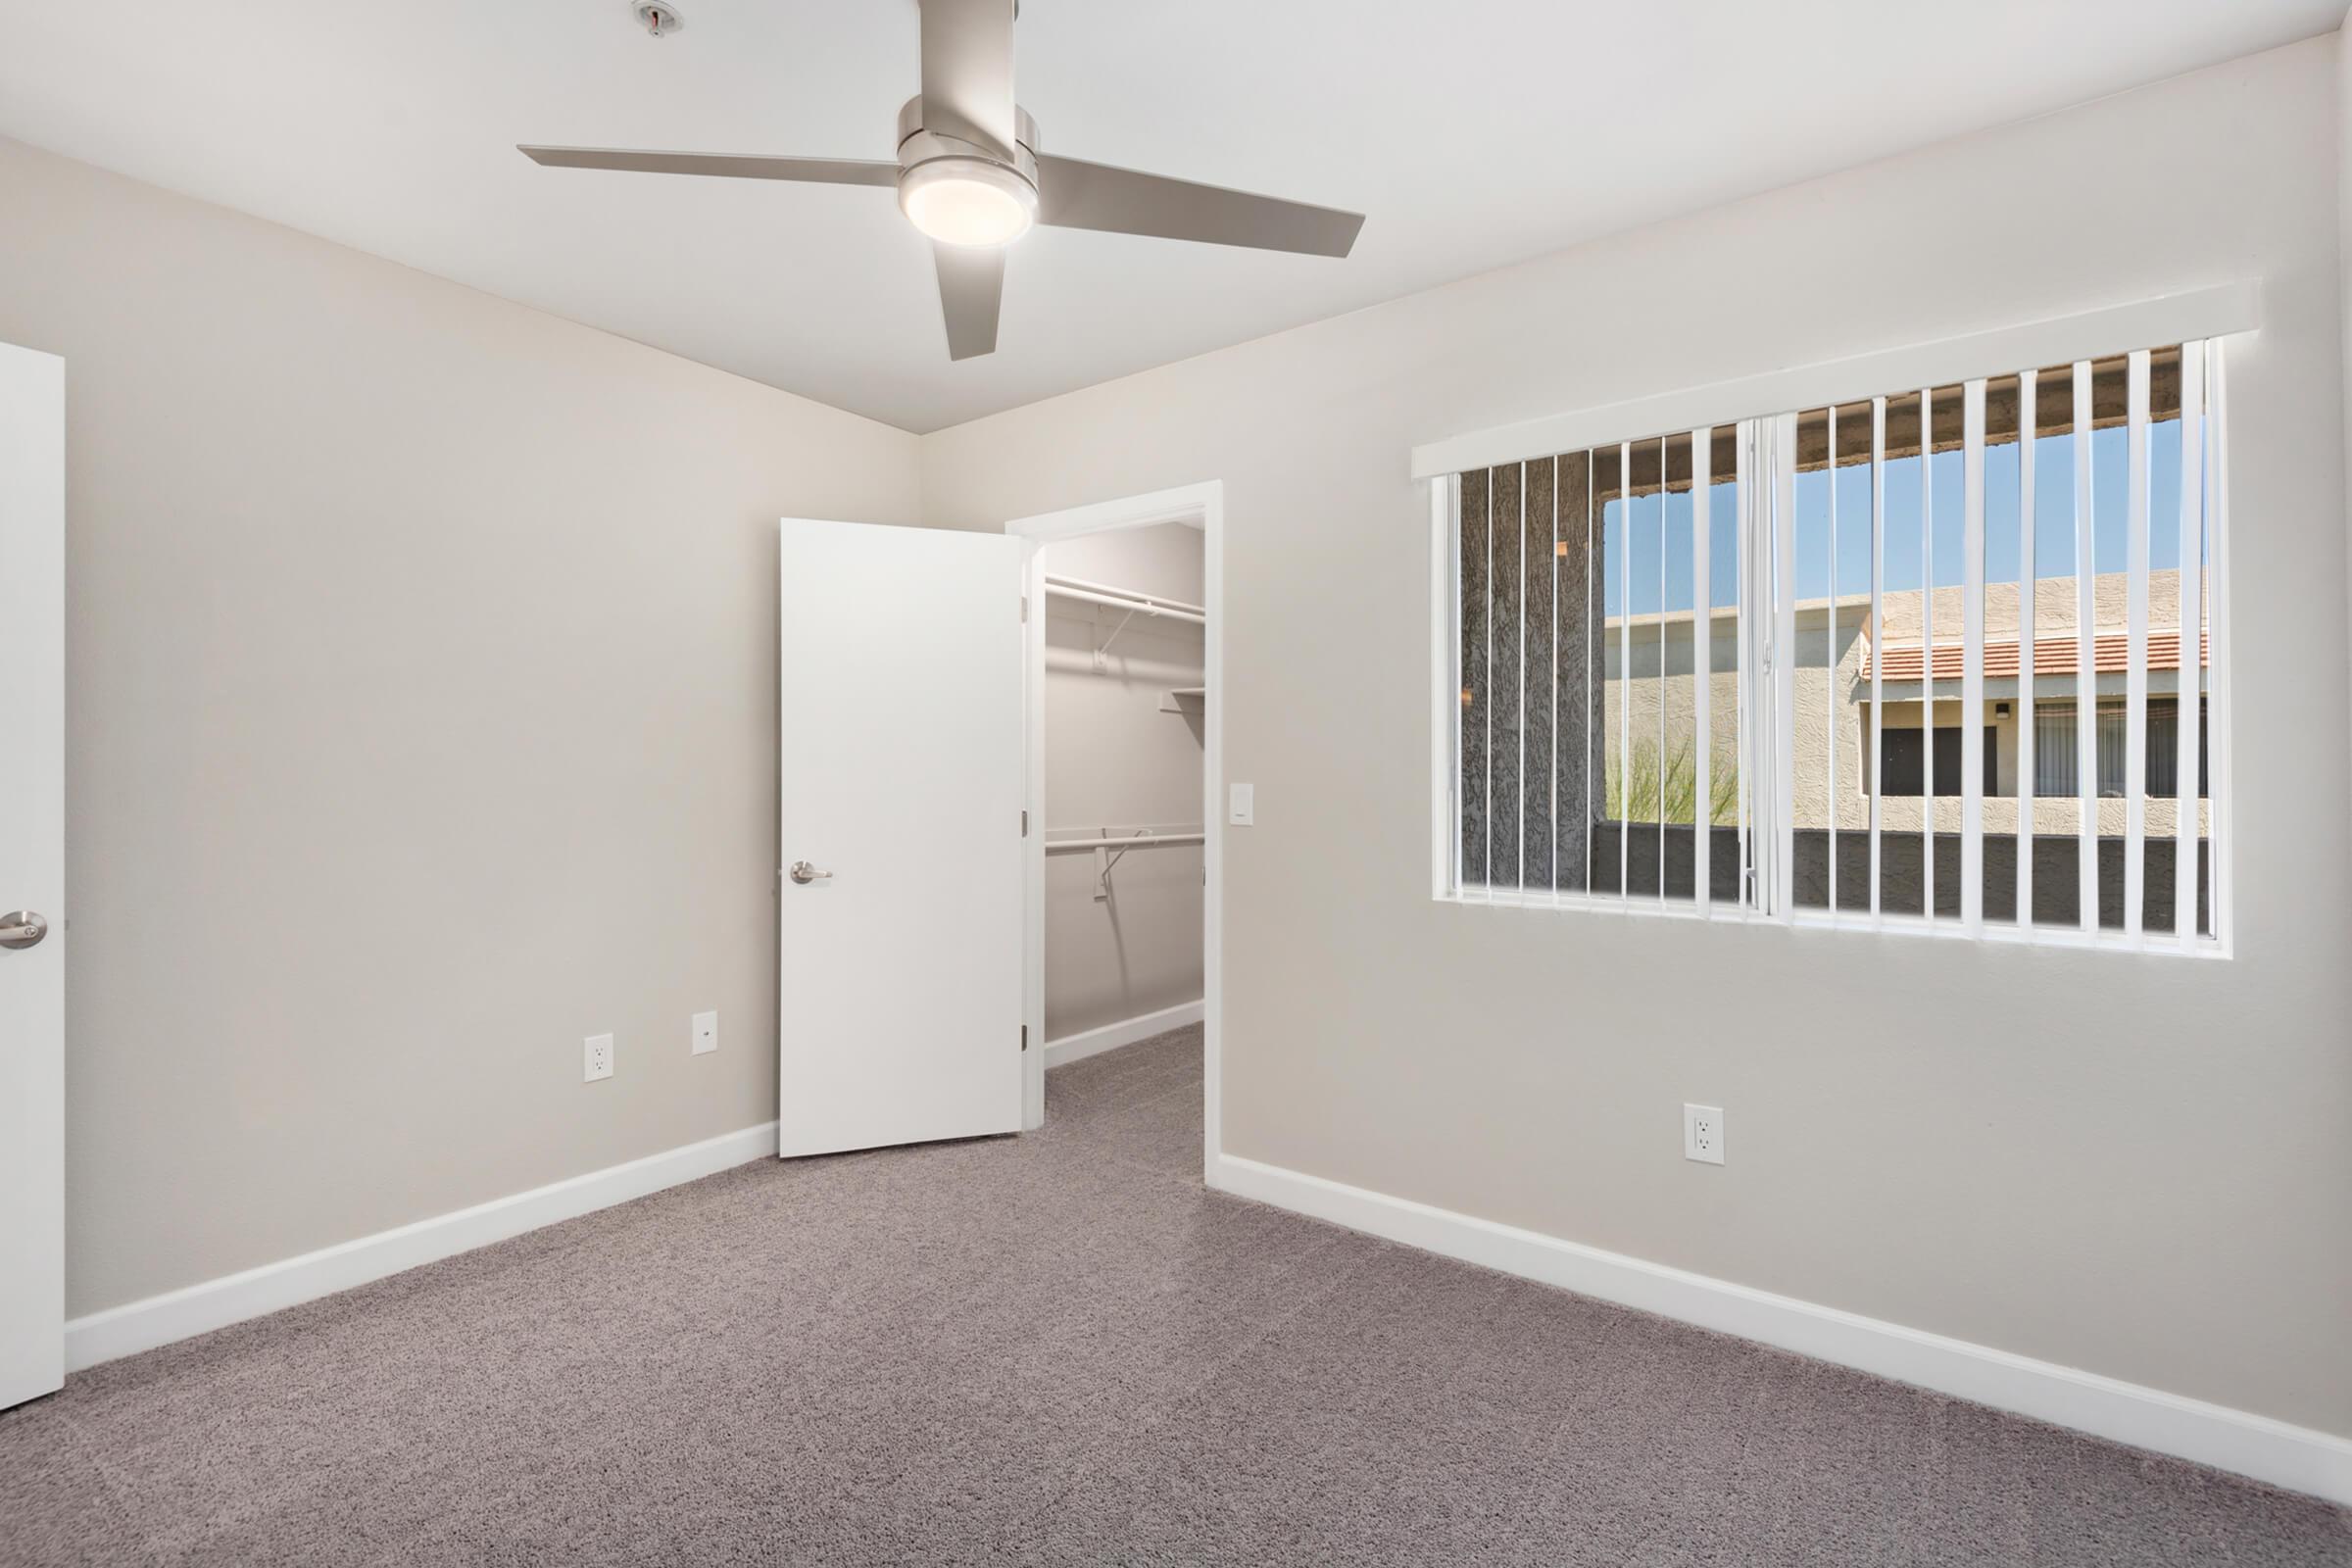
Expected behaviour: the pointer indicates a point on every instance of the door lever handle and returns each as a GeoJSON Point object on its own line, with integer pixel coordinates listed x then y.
{"type": "Point", "coordinates": [804, 873]}
{"type": "Point", "coordinates": [22, 928]}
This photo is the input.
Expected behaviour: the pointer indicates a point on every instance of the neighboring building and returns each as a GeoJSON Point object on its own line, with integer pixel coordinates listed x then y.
{"type": "Point", "coordinates": [1832, 727]}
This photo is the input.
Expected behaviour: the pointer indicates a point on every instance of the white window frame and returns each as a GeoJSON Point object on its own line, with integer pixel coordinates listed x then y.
{"type": "Point", "coordinates": [2203, 319]}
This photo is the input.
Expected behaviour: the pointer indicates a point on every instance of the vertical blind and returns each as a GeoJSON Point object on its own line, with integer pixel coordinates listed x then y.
{"type": "Point", "coordinates": [1729, 669]}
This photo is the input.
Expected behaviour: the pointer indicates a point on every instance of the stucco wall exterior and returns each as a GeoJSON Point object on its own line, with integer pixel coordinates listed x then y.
{"type": "Point", "coordinates": [1833, 691]}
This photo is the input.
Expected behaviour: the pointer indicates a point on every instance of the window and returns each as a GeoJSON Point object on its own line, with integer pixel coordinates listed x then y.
{"type": "Point", "coordinates": [1580, 577]}
{"type": "Point", "coordinates": [2166, 753]}
{"type": "Point", "coordinates": [1827, 665]}
{"type": "Point", "coordinates": [1901, 769]}
{"type": "Point", "coordinates": [2054, 748]}
{"type": "Point", "coordinates": [2054, 771]}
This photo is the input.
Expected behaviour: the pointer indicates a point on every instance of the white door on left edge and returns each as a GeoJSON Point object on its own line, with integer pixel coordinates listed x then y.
{"type": "Point", "coordinates": [900, 1004]}
{"type": "Point", "coordinates": [33, 874]}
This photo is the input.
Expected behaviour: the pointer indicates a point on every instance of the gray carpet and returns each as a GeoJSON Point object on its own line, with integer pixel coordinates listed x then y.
{"type": "Point", "coordinates": [1049, 1350]}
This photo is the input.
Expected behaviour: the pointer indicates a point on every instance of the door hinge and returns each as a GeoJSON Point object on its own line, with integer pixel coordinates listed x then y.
{"type": "Point", "coordinates": [1024, 609]}
{"type": "Point", "coordinates": [1024, 824]}
{"type": "Point", "coordinates": [1025, 1036]}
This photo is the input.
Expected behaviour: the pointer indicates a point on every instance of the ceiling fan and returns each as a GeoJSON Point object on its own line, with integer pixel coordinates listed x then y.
{"type": "Point", "coordinates": [970, 177]}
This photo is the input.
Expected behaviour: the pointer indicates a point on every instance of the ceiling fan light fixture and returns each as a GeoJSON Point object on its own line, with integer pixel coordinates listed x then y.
{"type": "Point", "coordinates": [970, 202]}
{"type": "Point", "coordinates": [968, 175]}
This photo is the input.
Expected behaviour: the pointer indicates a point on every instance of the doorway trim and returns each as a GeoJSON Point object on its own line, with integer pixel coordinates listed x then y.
{"type": "Point", "coordinates": [1203, 506]}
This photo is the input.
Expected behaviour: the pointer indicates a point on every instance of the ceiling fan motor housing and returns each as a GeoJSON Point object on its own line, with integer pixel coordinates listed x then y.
{"type": "Point", "coordinates": [919, 146]}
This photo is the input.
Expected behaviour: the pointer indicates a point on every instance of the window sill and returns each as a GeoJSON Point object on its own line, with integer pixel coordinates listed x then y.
{"type": "Point", "coordinates": [1649, 906]}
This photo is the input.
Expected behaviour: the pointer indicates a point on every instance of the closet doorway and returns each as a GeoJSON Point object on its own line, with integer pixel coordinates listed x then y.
{"type": "Point", "coordinates": [1124, 743]}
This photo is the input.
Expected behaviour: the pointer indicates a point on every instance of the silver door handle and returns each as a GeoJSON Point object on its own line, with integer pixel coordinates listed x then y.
{"type": "Point", "coordinates": [804, 873]}
{"type": "Point", "coordinates": [22, 928]}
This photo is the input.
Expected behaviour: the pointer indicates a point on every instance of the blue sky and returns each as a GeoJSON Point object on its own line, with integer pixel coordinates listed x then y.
{"type": "Point", "coordinates": [2053, 523]}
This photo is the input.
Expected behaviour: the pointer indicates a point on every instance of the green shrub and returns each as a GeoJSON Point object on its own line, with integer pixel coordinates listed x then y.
{"type": "Point", "coordinates": [1664, 787]}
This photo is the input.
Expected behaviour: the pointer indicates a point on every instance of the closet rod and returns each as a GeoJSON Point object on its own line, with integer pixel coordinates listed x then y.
{"type": "Point", "coordinates": [1138, 840]}
{"type": "Point", "coordinates": [1098, 593]}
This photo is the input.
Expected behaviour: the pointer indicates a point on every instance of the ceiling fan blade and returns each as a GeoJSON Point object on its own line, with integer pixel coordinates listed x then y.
{"type": "Point", "coordinates": [971, 288]}
{"type": "Point", "coordinates": [1072, 194]}
{"type": "Point", "coordinates": [967, 73]}
{"type": "Point", "coordinates": [734, 165]}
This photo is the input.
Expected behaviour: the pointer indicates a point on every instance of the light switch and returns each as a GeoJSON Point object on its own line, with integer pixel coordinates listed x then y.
{"type": "Point", "coordinates": [1244, 809]}
{"type": "Point", "coordinates": [706, 1033]}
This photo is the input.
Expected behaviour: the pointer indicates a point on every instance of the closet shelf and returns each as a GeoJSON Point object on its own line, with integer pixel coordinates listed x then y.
{"type": "Point", "coordinates": [1175, 699]}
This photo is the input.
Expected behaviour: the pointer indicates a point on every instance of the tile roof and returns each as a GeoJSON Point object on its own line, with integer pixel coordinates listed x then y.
{"type": "Point", "coordinates": [2052, 656]}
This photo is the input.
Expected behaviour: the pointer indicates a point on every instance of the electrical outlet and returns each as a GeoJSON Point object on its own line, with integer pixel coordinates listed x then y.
{"type": "Point", "coordinates": [1702, 1134]}
{"type": "Point", "coordinates": [706, 1033]}
{"type": "Point", "coordinates": [596, 1057]}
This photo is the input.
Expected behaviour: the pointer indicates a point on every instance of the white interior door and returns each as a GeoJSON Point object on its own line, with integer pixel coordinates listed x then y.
{"type": "Point", "coordinates": [33, 874]}
{"type": "Point", "coordinates": [900, 1009]}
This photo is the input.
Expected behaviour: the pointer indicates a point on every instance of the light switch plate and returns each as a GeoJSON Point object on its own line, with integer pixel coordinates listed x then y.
{"type": "Point", "coordinates": [596, 1057]}
{"type": "Point", "coordinates": [1702, 1134]}
{"type": "Point", "coordinates": [1243, 798]}
{"type": "Point", "coordinates": [706, 1033]}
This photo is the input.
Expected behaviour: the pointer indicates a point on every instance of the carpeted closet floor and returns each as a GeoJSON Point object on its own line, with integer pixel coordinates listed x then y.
{"type": "Point", "coordinates": [1055, 1348]}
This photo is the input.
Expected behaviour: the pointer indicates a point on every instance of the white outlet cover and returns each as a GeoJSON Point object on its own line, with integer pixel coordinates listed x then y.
{"type": "Point", "coordinates": [706, 1033]}
{"type": "Point", "coordinates": [596, 1057]}
{"type": "Point", "coordinates": [1702, 1134]}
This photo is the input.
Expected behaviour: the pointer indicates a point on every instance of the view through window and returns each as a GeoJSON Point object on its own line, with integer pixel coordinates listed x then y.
{"type": "Point", "coordinates": [1835, 659]}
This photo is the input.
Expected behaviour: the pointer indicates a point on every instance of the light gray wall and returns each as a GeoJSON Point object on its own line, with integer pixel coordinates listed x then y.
{"type": "Point", "coordinates": [1114, 758]}
{"type": "Point", "coordinates": [2132, 1165]}
{"type": "Point", "coordinates": [420, 720]}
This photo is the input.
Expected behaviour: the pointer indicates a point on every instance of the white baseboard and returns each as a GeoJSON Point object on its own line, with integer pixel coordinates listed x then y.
{"type": "Point", "coordinates": [233, 1297]}
{"type": "Point", "coordinates": [1126, 1032]}
{"type": "Point", "coordinates": [2299, 1458]}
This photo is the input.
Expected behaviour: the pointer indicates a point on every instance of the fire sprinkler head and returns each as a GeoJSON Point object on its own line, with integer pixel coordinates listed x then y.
{"type": "Point", "coordinates": [657, 18]}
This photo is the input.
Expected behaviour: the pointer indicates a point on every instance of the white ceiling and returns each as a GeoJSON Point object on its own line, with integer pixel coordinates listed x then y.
{"type": "Point", "coordinates": [1473, 133]}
